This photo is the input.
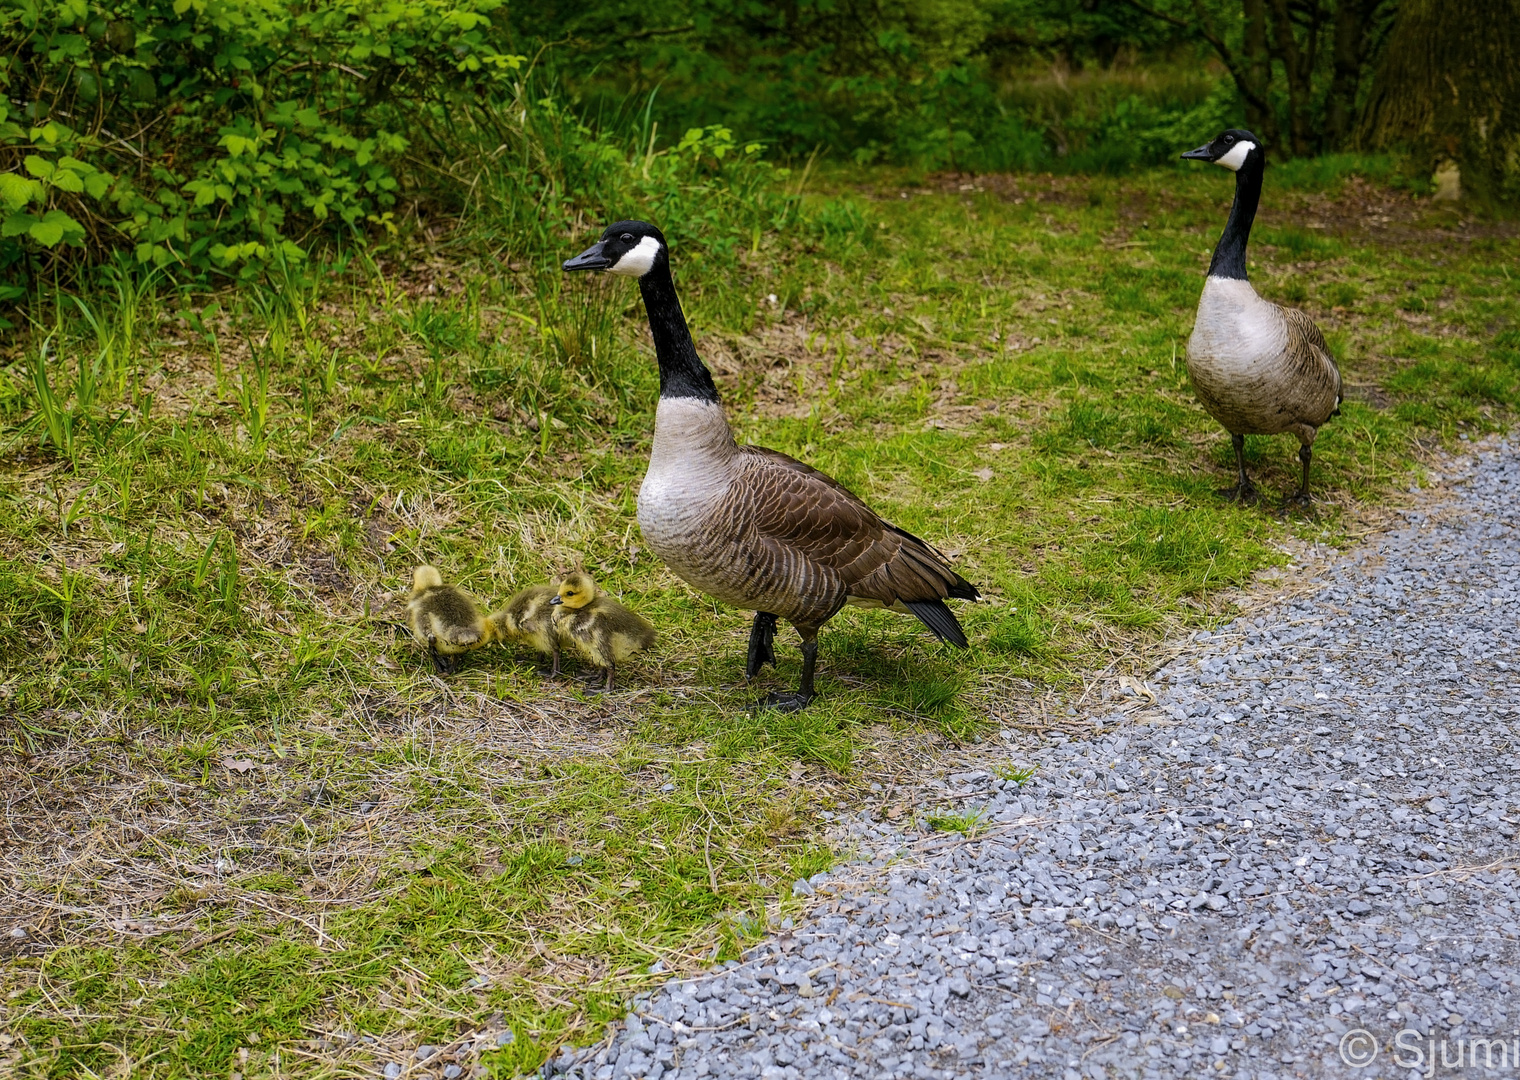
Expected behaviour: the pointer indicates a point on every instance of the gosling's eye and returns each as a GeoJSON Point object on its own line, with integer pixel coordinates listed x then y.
{"type": "Point", "coordinates": [627, 238]}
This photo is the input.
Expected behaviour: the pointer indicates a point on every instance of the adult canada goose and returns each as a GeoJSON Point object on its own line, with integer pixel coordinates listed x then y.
{"type": "Point", "coordinates": [444, 619]}
{"type": "Point", "coordinates": [602, 630]}
{"type": "Point", "coordinates": [1258, 369]}
{"type": "Point", "coordinates": [754, 527]}
{"type": "Point", "coordinates": [528, 618]}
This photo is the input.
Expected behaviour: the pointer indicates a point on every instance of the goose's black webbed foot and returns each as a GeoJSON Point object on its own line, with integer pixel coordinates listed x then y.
{"type": "Point", "coordinates": [790, 701]}
{"type": "Point", "coordinates": [1245, 493]}
{"type": "Point", "coordinates": [762, 644]}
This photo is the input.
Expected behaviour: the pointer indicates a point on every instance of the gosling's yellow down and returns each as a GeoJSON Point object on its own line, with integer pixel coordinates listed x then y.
{"type": "Point", "coordinates": [601, 629]}
{"type": "Point", "coordinates": [445, 620]}
{"type": "Point", "coordinates": [528, 618]}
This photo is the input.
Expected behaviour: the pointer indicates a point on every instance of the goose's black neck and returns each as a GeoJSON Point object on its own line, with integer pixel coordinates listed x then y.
{"type": "Point", "coordinates": [1230, 253]}
{"type": "Point", "coordinates": [682, 373]}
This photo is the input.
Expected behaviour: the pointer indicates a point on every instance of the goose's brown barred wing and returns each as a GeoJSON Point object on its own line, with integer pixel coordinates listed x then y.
{"type": "Point", "coordinates": [1302, 329]}
{"type": "Point", "coordinates": [1307, 346]}
{"type": "Point", "coordinates": [823, 536]}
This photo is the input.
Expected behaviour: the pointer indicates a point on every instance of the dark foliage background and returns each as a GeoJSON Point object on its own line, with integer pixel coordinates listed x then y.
{"type": "Point", "coordinates": [975, 84]}
{"type": "Point", "coordinates": [207, 139]}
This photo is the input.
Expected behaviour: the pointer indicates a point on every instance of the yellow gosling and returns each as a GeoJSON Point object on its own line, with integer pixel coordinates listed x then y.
{"type": "Point", "coordinates": [602, 630]}
{"type": "Point", "coordinates": [444, 620]}
{"type": "Point", "coordinates": [528, 618]}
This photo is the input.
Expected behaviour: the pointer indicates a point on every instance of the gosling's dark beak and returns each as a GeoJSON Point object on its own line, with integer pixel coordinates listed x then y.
{"type": "Point", "coordinates": [590, 259]}
{"type": "Point", "coordinates": [1203, 153]}
{"type": "Point", "coordinates": [557, 600]}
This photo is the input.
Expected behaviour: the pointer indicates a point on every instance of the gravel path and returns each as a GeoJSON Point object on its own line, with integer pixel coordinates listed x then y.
{"type": "Point", "coordinates": [1313, 834]}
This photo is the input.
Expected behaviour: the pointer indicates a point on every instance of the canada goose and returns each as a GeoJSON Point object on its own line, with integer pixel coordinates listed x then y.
{"type": "Point", "coordinates": [601, 629]}
{"type": "Point", "coordinates": [754, 527]}
{"type": "Point", "coordinates": [528, 618]}
{"type": "Point", "coordinates": [1258, 369]}
{"type": "Point", "coordinates": [444, 619]}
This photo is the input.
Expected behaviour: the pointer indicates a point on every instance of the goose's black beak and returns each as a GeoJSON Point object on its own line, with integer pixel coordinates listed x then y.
{"type": "Point", "coordinates": [555, 599]}
{"type": "Point", "coordinates": [1203, 153]}
{"type": "Point", "coordinates": [592, 258]}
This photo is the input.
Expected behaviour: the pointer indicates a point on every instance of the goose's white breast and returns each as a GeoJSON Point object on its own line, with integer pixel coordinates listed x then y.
{"type": "Point", "coordinates": [1236, 331]}
{"type": "Point", "coordinates": [689, 473]}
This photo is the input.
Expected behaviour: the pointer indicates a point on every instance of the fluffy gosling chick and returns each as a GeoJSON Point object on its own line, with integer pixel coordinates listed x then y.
{"type": "Point", "coordinates": [529, 618]}
{"type": "Point", "coordinates": [601, 629]}
{"type": "Point", "coordinates": [444, 619]}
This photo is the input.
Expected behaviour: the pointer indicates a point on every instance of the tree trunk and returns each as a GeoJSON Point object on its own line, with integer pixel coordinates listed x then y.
{"type": "Point", "coordinates": [1448, 90]}
{"type": "Point", "coordinates": [1258, 72]}
{"type": "Point", "coordinates": [1296, 67]}
{"type": "Point", "coordinates": [1346, 60]}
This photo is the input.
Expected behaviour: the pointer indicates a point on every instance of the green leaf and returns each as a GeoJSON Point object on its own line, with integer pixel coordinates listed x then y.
{"type": "Point", "coordinates": [239, 144]}
{"type": "Point", "coordinates": [16, 191]}
{"type": "Point", "coordinates": [39, 167]}
{"type": "Point", "coordinates": [47, 233]}
{"type": "Point", "coordinates": [17, 224]}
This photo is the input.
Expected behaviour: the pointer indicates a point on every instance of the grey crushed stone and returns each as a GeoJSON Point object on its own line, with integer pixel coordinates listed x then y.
{"type": "Point", "coordinates": [1314, 832]}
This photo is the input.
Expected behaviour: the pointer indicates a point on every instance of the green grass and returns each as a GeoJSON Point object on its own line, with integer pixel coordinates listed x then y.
{"type": "Point", "coordinates": [1018, 775]}
{"type": "Point", "coordinates": [210, 506]}
{"type": "Point", "coordinates": [968, 823]}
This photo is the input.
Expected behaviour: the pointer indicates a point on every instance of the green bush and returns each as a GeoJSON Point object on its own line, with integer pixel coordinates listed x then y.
{"type": "Point", "coordinates": [206, 138]}
{"type": "Point", "coordinates": [217, 135]}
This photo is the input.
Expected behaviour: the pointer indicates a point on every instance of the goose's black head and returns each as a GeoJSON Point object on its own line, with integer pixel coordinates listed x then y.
{"type": "Point", "coordinates": [632, 248]}
{"type": "Point", "coordinates": [1232, 149]}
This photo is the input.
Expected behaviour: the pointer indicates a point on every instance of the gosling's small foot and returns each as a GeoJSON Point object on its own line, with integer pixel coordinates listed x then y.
{"type": "Point", "coordinates": [1247, 493]}
{"type": "Point", "coordinates": [790, 701]}
{"type": "Point", "coordinates": [595, 681]}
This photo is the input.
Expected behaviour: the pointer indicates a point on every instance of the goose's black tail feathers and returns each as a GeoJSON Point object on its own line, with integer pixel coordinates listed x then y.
{"type": "Point", "coordinates": [939, 618]}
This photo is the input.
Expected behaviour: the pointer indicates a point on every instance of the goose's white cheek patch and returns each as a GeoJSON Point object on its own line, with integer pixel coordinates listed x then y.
{"type": "Point", "coordinates": [1237, 156]}
{"type": "Point", "coordinates": [640, 260]}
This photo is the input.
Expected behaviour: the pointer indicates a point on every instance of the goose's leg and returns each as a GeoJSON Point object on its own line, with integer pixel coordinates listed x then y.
{"type": "Point", "coordinates": [799, 699]}
{"type": "Point", "coordinates": [1301, 496]}
{"type": "Point", "coordinates": [1244, 490]}
{"type": "Point", "coordinates": [762, 638]}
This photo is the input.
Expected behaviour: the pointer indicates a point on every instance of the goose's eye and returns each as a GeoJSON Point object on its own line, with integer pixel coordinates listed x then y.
{"type": "Point", "coordinates": [1228, 139]}
{"type": "Point", "coordinates": [627, 238]}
